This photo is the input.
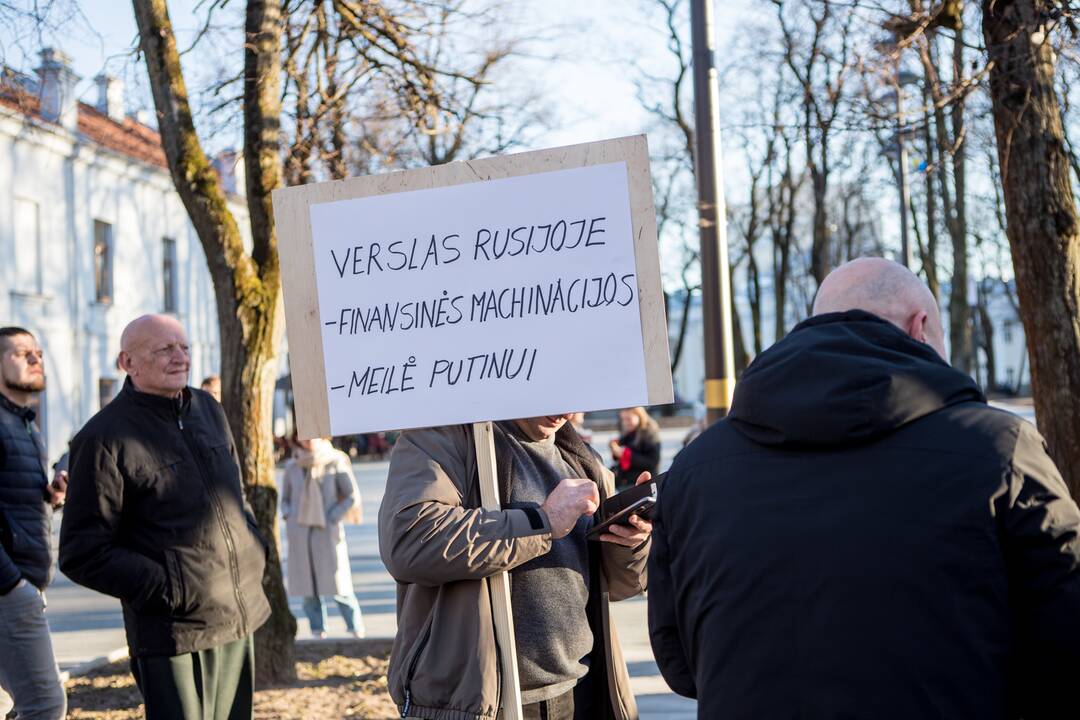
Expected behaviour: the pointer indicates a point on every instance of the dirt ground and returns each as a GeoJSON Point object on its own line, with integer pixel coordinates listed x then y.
{"type": "Point", "coordinates": [342, 679]}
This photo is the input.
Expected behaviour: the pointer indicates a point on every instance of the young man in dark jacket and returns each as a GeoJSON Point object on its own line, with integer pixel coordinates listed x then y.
{"type": "Point", "coordinates": [156, 516]}
{"type": "Point", "coordinates": [29, 679]}
{"type": "Point", "coordinates": [863, 536]}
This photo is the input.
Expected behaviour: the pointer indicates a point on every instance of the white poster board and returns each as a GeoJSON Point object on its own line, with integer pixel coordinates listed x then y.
{"type": "Point", "coordinates": [508, 287]}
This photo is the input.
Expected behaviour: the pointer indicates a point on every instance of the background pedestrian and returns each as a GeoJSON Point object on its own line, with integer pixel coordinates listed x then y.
{"type": "Point", "coordinates": [637, 448]}
{"type": "Point", "coordinates": [318, 495]}
{"type": "Point", "coordinates": [29, 679]}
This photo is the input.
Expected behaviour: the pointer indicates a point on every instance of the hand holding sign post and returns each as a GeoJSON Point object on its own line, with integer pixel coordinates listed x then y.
{"type": "Point", "coordinates": [502, 288]}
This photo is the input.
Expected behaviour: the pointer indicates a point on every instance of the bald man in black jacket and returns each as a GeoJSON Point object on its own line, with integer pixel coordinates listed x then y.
{"type": "Point", "coordinates": [156, 516]}
{"type": "Point", "coordinates": [863, 537]}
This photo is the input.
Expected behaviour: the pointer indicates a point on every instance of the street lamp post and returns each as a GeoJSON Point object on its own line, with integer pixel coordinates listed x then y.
{"type": "Point", "coordinates": [715, 281]}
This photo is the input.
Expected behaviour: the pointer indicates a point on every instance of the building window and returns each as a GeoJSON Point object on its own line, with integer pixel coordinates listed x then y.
{"type": "Point", "coordinates": [28, 274]}
{"type": "Point", "coordinates": [103, 260]}
{"type": "Point", "coordinates": [1007, 332]}
{"type": "Point", "coordinates": [106, 391]}
{"type": "Point", "coordinates": [168, 274]}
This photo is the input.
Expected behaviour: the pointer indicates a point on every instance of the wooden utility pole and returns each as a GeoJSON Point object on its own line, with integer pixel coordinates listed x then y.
{"type": "Point", "coordinates": [715, 282]}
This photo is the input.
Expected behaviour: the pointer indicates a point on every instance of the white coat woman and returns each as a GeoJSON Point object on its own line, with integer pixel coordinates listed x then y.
{"type": "Point", "coordinates": [317, 493]}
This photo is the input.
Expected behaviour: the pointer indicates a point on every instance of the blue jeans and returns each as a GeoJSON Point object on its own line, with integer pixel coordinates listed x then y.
{"type": "Point", "coordinates": [315, 609]}
{"type": "Point", "coordinates": [29, 678]}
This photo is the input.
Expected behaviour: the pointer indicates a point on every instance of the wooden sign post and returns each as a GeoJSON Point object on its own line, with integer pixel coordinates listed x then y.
{"type": "Point", "coordinates": [499, 584]}
{"type": "Point", "coordinates": [501, 288]}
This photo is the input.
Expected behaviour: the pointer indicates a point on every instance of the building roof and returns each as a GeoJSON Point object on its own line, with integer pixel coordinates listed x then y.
{"type": "Point", "coordinates": [127, 137]}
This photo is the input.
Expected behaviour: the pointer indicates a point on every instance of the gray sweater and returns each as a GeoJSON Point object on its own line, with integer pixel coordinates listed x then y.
{"type": "Point", "coordinates": [548, 593]}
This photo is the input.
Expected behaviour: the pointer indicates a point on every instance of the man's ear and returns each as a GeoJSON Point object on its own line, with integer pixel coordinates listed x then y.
{"type": "Point", "coordinates": [123, 362]}
{"type": "Point", "coordinates": [917, 326]}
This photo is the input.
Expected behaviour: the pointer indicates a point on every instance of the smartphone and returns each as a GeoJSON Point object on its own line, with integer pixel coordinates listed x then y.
{"type": "Point", "coordinates": [617, 509]}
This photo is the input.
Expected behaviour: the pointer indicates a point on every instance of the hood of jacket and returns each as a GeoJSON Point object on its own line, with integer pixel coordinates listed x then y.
{"type": "Point", "coordinates": [843, 378]}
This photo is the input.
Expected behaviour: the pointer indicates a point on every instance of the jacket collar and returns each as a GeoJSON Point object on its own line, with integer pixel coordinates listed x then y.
{"type": "Point", "coordinates": [171, 407]}
{"type": "Point", "coordinates": [26, 413]}
{"type": "Point", "coordinates": [843, 378]}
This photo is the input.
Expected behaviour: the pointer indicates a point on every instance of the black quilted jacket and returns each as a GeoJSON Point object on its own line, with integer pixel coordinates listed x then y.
{"type": "Point", "coordinates": [25, 517]}
{"type": "Point", "coordinates": [156, 516]}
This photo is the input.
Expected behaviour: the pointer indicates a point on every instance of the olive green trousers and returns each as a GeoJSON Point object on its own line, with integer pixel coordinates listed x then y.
{"type": "Point", "coordinates": [214, 684]}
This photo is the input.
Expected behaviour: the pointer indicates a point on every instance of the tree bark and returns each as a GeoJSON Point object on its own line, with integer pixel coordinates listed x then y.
{"type": "Point", "coordinates": [742, 357]}
{"type": "Point", "coordinates": [1043, 227]}
{"type": "Point", "coordinates": [782, 221]}
{"type": "Point", "coordinates": [986, 334]}
{"type": "Point", "coordinates": [246, 287]}
{"type": "Point", "coordinates": [684, 319]}
{"type": "Point", "coordinates": [960, 317]}
{"type": "Point", "coordinates": [929, 260]}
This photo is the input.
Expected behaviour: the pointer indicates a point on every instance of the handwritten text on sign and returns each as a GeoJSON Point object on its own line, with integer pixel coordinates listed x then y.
{"type": "Point", "coordinates": [488, 300]}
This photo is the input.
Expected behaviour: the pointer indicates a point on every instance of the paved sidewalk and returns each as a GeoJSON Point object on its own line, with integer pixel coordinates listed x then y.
{"type": "Point", "coordinates": [87, 625]}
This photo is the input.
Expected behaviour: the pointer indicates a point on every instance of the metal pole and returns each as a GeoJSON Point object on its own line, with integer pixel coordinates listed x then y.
{"type": "Point", "coordinates": [708, 166]}
{"type": "Point", "coordinates": [905, 193]}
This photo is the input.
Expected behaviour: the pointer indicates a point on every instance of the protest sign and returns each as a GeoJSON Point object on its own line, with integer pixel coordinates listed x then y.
{"type": "Point", "coordinates": [500, 288]}
{"type": "Point", "coordinates": [505, 287]}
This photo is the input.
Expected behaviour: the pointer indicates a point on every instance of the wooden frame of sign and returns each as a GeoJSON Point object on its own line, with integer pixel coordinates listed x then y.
{"type": "Point", "coordinates": [292, 211]}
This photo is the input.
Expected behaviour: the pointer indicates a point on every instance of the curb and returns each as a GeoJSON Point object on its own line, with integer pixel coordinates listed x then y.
{"type": "Point", "coordinates": [343, 639]}
{"type": "Point", "coordinates": [91, 665]}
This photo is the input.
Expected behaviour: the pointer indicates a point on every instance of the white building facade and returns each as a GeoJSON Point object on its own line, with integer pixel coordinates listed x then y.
{"type": "Point", "coordinates": [92, 235]}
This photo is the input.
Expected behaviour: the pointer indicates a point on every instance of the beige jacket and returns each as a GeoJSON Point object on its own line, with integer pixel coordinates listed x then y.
{"type": "Point", "coordinates": [441, 547]}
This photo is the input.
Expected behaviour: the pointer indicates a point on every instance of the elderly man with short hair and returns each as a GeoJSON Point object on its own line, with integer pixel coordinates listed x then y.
{"type": "Point", "coordinates": [29, 679]}
{"type": "Point", "coordinates": [156, 516]}
{"type": "Point", "coordinates": [863, 536]}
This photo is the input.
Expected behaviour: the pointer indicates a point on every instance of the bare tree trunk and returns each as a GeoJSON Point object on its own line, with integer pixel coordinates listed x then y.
{"type": "Point", "coordinates": [986, 336]}
{"type": "Point", "coordinates": [960, 320]}
{"type": "Point", "coordinates": [742, 358]}
{"type": "Point", "coordinates": [753, 295]}
{"type": "Point", "coordinates": [1043, 227]}
{"type": "Point", "coordinates": [680, 338]}
{"type": "Point", "coordinates": [783, 230]}
{"type": "Point", "coordinates": [247, 287]}
{"type": "Point", "coordinates": [929, 259]}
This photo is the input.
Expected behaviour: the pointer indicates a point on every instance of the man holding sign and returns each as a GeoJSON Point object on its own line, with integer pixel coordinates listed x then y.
{"type": "Point", "coordinates": [444, 297]}
{"type": "Point", "coordinates": [441, 546]}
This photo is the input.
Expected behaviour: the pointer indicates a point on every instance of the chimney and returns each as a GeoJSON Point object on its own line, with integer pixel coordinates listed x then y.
{"type": "Point", "coordinates": [110, 99]}
{"type": "Point", "coordinates": [58, 101]}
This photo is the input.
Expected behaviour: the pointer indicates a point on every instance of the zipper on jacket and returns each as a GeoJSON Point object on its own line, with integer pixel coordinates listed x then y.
{"type": "Point", "coordinates": [219, 510]}
{"type": "Point", "coordinates": [412, 669]}
{"type": "Point", "coordinates": [498, 653]}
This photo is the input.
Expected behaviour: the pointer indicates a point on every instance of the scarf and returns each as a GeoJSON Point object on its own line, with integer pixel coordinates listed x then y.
{"type": "Point", "coordinates": [313, 462]}
{"type": "Point", "coordinates": [579, 456]}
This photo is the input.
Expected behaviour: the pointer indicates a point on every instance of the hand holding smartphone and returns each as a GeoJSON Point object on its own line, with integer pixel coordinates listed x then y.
{"type": "Point", "coordinates": [617, 510]}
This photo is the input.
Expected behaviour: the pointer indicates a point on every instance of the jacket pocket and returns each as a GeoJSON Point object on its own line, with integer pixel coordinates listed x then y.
{"type": "Point", "coordinates": [414, 659]}
{"type": "Point", "coordinates": [179, 601]}
{"type": "Point", "coordinates": [254, 528]}
{"type": "Point", "coordinates": [11, 533]}
{"type": "Point", "coordinates": [27, 542]}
